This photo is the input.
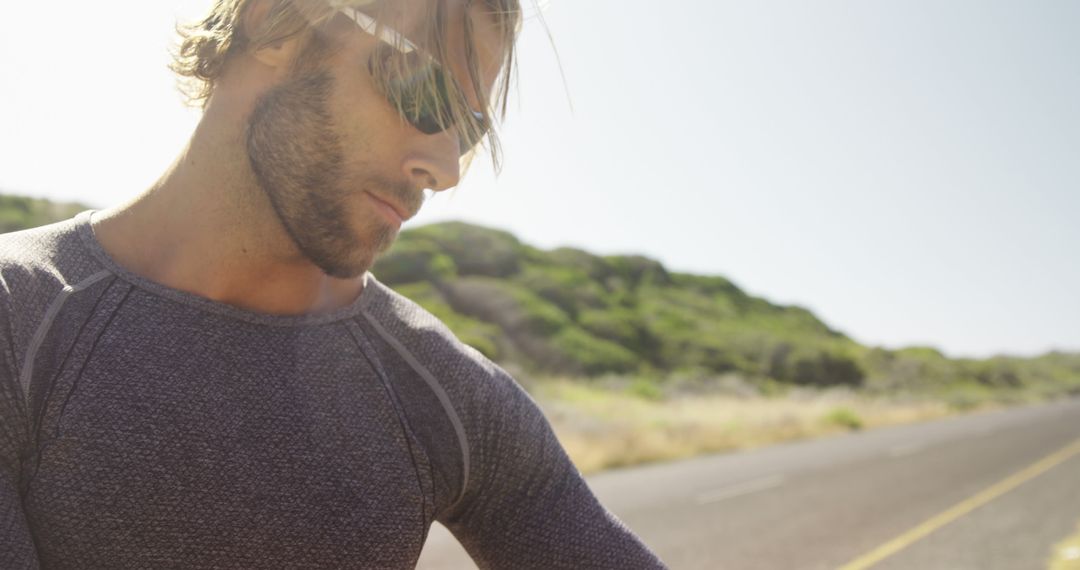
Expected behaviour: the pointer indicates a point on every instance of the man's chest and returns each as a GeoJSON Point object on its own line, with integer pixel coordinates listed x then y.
{"type": "Point", "coordinates": [196, 448]}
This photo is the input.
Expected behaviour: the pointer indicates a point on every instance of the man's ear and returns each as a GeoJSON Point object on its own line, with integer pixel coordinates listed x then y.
{"type": "Point", "coordinates": [278, 55]}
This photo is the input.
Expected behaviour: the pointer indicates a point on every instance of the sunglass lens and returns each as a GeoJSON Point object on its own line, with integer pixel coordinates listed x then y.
{"type": "Point", "coordinates": [423, 94]}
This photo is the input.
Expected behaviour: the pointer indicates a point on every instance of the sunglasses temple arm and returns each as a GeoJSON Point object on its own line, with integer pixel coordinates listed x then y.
{"type": "Point", "coordinates": [387, 35]}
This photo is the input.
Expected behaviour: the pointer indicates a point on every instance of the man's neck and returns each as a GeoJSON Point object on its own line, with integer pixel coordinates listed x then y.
{"type": "Point", "coordinates": [207, 228]}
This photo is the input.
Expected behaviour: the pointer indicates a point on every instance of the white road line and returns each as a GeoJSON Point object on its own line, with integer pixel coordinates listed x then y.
{"type": "Point", "coordinates": [906, 449]}
{"type": "Point", "coordinates": [740, 489]}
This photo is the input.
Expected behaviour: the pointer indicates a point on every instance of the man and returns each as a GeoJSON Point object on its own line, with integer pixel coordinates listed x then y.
{"type": "Point", "coordinates": [208, 376]}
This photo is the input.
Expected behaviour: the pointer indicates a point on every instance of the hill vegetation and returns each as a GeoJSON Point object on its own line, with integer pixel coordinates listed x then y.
{"type": "Point", "coordinates": [18, 212]}
{"type": "Point", "coordinates": [571, 313]}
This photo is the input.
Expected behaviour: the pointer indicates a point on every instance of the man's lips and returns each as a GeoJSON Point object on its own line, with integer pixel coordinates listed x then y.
{"type": "Point", "coordinates": [391, 208]}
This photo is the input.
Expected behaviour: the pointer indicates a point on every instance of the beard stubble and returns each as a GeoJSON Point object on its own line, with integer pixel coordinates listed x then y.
{"type": "Point", "coordinates": [298, 159]}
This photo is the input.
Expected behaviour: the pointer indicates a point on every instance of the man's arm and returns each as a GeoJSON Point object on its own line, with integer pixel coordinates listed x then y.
{"type": "Point", "coordinates": [17, 550]}
{"type": "Point", "coordinates": [526, 505]}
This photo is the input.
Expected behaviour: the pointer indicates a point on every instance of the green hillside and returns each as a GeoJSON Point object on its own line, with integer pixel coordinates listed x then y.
{"type": "Point", "coordinates": [569, 312]}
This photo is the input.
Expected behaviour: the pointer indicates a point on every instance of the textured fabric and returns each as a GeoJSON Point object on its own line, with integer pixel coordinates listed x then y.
{"type": "Point", "coordinates": [146, 427]}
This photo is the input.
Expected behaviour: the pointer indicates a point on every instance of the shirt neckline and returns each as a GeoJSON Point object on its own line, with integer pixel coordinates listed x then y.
{"type": "Point", "coordinates": [86, 232]}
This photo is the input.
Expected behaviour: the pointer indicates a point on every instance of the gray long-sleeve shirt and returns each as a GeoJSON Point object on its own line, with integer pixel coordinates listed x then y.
{"type": "Point", "coordinates": [146, 427]}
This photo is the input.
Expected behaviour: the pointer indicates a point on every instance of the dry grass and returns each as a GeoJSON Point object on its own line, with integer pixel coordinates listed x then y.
{"type": "Point", "coordinates": [603, 428]}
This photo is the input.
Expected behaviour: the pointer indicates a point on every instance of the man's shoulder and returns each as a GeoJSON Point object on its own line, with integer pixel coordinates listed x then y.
{"type": "Point", "coordinates": [413, 326]}
{"type": "Point", "coordinates": [38, 263]}
{"type": "Point", "coordinates": [469, 377]}
{"type": "Point", "coordinates": [48, 248]}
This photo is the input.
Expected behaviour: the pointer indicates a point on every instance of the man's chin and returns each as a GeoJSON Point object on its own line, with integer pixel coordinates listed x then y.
{"type": "Point", "coordinates": [343, 273]}
{"type": "Point", "coordinates": [346, 262]}
{"type": "Point", "coordinates": [348, 269]}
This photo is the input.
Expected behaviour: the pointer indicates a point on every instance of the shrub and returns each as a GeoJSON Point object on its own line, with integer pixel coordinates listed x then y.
{"type": "Point", "coordinates": [20, 213]}
{"type": "Point", "coordinates": [636, 270]}
{"type": "Point", "coordinates": [845, 418]}
{"type": "Point", "coordinates": [621, 326]}
{"type": "Point", "coordinates": [646, 390]}
{"type": "Point", "coordinates": [568, 288]}
{"type": "Point", "coordinates": [515, 309]}
{"type": "Point", "coordinates": [414, 260]}
{"type": "Point", "coordinates": [474, 249]}
{"type": "Point", "coordinates": [820, 367]}
{"type": "Point", "coordinates": [592, 355]}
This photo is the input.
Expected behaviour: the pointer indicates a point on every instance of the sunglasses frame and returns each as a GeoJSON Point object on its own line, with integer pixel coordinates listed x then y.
{"type": "Point", "coordinates": [425, 123]}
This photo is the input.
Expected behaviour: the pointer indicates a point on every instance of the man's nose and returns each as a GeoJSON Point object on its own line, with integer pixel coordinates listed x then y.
{"type": "Point", "coordinates": [437, 170]}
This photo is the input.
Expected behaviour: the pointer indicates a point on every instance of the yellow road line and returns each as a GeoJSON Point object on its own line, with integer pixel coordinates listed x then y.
{"type": "Point", "coordinates": [1002, 487]}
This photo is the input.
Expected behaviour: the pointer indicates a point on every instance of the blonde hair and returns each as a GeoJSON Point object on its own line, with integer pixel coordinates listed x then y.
{"type": "Point", "coordinates": [206, 46]}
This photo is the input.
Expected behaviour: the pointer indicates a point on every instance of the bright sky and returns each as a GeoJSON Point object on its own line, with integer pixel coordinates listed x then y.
{"type": "Point", "coordinates": [907, 169]}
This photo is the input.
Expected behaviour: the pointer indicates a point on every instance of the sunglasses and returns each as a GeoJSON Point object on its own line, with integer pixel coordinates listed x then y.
{"type": "Point", "coordinates": [426, 109]}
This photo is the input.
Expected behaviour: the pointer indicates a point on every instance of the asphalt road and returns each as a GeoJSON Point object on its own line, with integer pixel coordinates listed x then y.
{"type": "Point", "coordinates": [987, 491]}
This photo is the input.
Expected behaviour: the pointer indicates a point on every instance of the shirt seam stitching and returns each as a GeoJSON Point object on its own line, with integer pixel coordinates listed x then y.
{"type": "Point", "coordinates": [440, 394]}
{"type": "Point", "coordinates": [27, 371]}
{"type": "Point", "coordinates": [410, 437]}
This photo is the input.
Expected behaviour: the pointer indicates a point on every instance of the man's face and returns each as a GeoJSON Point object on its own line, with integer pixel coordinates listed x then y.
{"type": "Point", "coordinates": [340, 167]}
